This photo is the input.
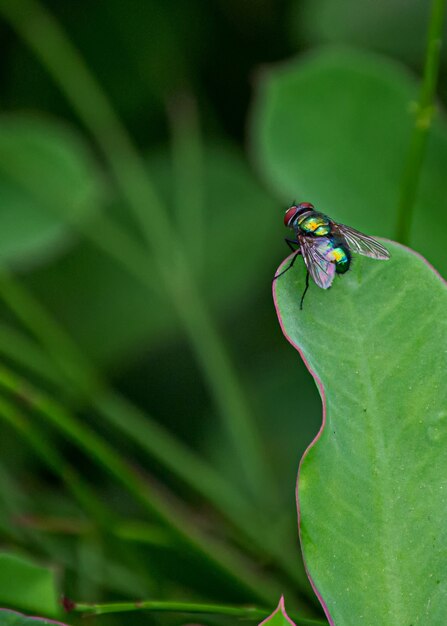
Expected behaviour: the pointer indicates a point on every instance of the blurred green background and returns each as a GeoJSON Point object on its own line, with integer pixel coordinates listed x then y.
{"type": "Point", "coordinates": [148, 150]}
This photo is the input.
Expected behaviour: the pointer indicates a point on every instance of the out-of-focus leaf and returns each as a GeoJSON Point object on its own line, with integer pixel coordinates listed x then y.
{"type": "Point", "coordinates": [240, 220]}
{"type": "Point", "coordinates": [372, 489]}
{"type": "Point", "coordinates": [334, 130]}
{"type": "Point", "coordinates": [271, 382]}
{"type": "Point", "coordinates": [45, 168]}
{"type": "Point", "coordinates": [11, 618]}
{"type": "Point", "coordinates": [27, 585]}
{"type": "Point", "coordinates": [279, 617]}
{"type": "Point", "coordinates": [381, 25]}
{"type": "Point", "coordinates": [113, 316]}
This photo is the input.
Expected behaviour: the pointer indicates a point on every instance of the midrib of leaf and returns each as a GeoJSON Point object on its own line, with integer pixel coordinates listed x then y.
{"type": "Point", "coordinates": [378, 457]}
{"type": "Point", "coordinates": [391, 575]}
{"type": "Point", "coordinates": [389, 534]}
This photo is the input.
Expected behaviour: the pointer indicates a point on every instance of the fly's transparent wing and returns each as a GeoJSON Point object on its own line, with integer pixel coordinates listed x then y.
{"type": "Point", "coordinates": [360, 243]}
{"type": "Point", "coordinates": [320, 268]}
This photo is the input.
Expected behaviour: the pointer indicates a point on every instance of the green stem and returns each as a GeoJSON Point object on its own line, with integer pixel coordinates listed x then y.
{"type": "Point", "coordinates": [243, 612]}
{"type": "Point", "coordinates": [188, 161]}
{"type": "Point", "coordinates": [423, 121]}
{"type": "Point", "coordinates": [176, 517]}
{"type": "Point", "coordinates": [104, 517]}
{"type": "Point", "coordinates": [133, 531]}
{"type": "Point", "coordinates": [49, 42]}
{"type": "Point", "coordinates": [120, 579]}
{"type": "Point", "coordinates": [23, 351]}
{"type": "Point", "coordinates": [50, 457]}
{"type": "Point", "coordinates": [76, 369]}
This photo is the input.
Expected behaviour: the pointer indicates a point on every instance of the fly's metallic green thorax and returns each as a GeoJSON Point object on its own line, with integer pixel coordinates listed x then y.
{"type": "Point", "coordinates": [313, 223]}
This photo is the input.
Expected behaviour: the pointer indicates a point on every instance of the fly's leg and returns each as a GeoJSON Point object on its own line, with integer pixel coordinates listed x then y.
{"type": "Point", "coordinates": [290, 243]}
{"type": "Point", "coordinates": [305, 290]}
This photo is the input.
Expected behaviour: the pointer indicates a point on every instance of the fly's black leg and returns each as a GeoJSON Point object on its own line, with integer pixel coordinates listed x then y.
{"type": "Point", "coordinates": [291, 243]}
{"type": "Point", "coordinates": [304, 292]}
{"type": "Point", "coordinates": [297, 252]}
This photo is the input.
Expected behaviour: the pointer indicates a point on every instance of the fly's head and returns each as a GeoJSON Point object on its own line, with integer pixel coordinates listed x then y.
{"type": "Point", "coordinates": [295, 211]}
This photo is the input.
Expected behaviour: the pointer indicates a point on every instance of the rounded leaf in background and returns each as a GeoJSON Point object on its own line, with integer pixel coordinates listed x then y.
{"type": "Point", "coordinates": [47, 179]}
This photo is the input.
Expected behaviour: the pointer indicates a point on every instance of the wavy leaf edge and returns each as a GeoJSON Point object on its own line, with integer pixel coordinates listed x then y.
{"type": "Point", "coordinates": [322, 393]}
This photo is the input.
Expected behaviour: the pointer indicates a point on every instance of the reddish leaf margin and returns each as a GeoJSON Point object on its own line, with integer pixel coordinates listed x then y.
{"type": "Point", "coordinates": [41, 620]}
{"type": "Point", "coordinates": [279, 609]}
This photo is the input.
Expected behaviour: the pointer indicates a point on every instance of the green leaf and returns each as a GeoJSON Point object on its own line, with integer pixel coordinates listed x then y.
{"type": "Point", "coordinates": [11, 618]}
{"type": "Point", "coordinates": [234, 202]}
{"type": "Point", "coordinates": [334, 130]}
{"type": "Point", "coordinates": [26, 585]}
{"type": "Point", "coordinates": [279, 616]}
{"type": "Point", "coordinates": [45, 172]}
{"type": "Point", "coordinates": [372, 488]}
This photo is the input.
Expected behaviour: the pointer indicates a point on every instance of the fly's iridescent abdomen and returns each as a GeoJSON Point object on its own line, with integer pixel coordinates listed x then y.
{"type": "Point", "coordinates": [333, 250]}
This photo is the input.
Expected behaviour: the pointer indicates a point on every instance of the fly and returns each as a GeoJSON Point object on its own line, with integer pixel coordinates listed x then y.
{"type": "Point", "coordinates": [325, 245]}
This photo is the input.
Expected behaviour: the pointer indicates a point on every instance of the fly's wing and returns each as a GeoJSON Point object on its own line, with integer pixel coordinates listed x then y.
{"type": "Point", "coordinates": [360, 243]}
{"type": "Point", "coordinates": [321, 269]}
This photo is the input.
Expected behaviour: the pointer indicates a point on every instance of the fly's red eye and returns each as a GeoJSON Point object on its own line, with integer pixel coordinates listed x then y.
{"type": "Point", "coordinates": [290, 214]}
{"type": "Point", "coordinates": [306, 205]}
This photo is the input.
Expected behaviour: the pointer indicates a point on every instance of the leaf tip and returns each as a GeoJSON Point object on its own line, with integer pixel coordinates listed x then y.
{"type": "Point", "coordinates": [280, 611]}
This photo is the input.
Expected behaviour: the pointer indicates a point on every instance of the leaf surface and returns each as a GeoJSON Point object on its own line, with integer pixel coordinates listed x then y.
{"type": "Point", "coordinates": [27, 585]}
{"type": "Point", "coordinates": [372, 488]}
{"type": "Point", "coordinates": [11, 618]}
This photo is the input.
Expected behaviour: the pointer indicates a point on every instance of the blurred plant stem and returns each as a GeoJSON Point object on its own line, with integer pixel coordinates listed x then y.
{"type": "Point", "coordinates": [176, 517]}
{"type": "Point", "coordinates": [187, 158]}
{"type": "Point", "coordinates": [130, 530]}
{"type": "Point", "coordinates": [14, 528]}
{"type": "Point", "coordinates": [139, 426]}
{"type": "Point", "coordinates": [243, 612]}
{"type": "Point", "coordinates": [86, 497]}
{"type": "Point", "coordinates": [104, 517]}
{"type": "Point", "coordinates": [88, 383]}
{"type": "Point", "coordinates": [105, 520]}
{"type": "Point", "coordinates": [172, 265]}
{"type": "Point", "coordinates": [423, 120]}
